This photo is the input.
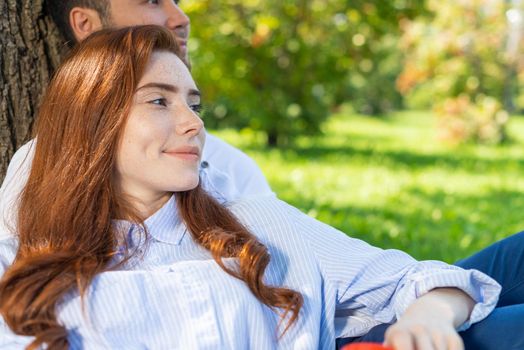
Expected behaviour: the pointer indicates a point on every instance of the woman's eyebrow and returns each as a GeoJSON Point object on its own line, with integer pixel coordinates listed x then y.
{"type": "Point", "coordinates": [162, 86]}
{"type": "Point", "coordinates": [168, 87]}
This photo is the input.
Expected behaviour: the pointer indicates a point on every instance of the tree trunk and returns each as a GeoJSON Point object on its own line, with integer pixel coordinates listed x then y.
{"type": "Point", "coordinates": [29, 51]}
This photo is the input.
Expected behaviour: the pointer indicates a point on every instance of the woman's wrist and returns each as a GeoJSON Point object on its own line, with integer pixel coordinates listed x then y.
{"type": "Point", "coordinates": [431, 321]}
{"type": "Point", "coordinates": [449, 304]}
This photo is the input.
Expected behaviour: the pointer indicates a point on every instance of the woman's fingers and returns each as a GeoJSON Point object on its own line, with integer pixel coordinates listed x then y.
{"type": "Point", "coordinates": [440, 341]}
{"type": "Point", "coordinates": [418, 337]}
{"type": "Point", "coordinates": [422, 339]}
{"type": "Point", "coordinates": [399, 339]}
{"type": "Point", "coordinates": [455, 342]}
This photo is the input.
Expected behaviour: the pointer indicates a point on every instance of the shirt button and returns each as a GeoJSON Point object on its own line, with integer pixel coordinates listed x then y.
{"type": "Point", "coordinates": [204, 164]}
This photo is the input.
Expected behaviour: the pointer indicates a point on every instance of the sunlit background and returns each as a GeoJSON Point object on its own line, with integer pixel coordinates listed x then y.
{"type": "Point", "coordinates": [396, 121]}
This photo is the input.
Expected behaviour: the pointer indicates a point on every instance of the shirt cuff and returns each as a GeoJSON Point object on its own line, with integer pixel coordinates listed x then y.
{"type": "Point", "coordinates": [481, 288]}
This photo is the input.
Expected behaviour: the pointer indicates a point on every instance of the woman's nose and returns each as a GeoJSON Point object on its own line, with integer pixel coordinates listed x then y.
{"type": "Point", "coordinates": [191, 124]}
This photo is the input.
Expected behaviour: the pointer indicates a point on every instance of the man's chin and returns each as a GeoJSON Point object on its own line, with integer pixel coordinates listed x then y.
{"type": "Point", "coordinates": [184, 55]}
{"type": "Point", "coordinates": [186, 60]}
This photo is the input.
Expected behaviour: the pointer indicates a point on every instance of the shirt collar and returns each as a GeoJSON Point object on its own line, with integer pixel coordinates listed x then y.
{"type": "Point", "coordinates": [164, 226]}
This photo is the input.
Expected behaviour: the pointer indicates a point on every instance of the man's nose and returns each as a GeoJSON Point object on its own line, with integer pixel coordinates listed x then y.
{"type": "Point", "coordinates": [176, 17]}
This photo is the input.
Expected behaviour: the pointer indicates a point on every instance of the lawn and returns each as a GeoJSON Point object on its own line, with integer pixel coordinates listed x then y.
{"type": "Point", "coordinates": [390, 182]}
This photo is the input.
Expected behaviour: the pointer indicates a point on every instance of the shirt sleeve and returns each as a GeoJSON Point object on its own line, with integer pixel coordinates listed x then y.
{"type": "Point", "coordinates": [383, 283]}
{"type": "Point", "coordinates": [14, 182]}
{"type": "Point", "coordinates": [238, 176]}
{"type": "Point", "coordinates": [9, 340]}
{"type": "Point", "coordinates": [365, 285]}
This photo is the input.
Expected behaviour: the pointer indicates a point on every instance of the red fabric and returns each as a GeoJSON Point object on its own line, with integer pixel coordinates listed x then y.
{"type": "Point", "coordinates": [365, 346]}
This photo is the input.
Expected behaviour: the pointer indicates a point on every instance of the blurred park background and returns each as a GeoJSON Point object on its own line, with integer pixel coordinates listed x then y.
{"type": "Point", "coordinates": [396, 121]}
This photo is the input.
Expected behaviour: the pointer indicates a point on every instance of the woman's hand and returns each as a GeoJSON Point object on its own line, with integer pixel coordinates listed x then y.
{"type": "Point", "coordinates": [423, 332]}
{"type": "Point", "coordinates": [429, 323]}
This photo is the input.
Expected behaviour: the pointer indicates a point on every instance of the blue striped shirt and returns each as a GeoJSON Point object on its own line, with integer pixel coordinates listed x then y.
{"type": "Point", "coordinates": [175, 296]}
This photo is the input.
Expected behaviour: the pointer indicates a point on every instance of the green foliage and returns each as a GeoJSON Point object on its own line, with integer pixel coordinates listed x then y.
{"type": "Point", "coordinates": [458, 53]}
{"type": "Point", "coordinates": [280, 66]}
{"type": "Point", "coordinates": [388, 181]}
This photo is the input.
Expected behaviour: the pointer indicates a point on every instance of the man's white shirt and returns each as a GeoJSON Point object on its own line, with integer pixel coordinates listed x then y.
{"type": "Point", "coordinates": [228, 174]}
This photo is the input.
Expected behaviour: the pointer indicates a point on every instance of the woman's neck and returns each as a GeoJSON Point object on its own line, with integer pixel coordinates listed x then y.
{"type": "Point", "coordinates": [146, 207]}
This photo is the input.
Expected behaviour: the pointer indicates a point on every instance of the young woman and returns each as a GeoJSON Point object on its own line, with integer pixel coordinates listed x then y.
{"type": "Point", "coordinates": [120, 247]}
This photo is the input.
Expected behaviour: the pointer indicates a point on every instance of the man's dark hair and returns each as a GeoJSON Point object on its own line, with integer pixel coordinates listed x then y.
{"type": "Point", "coordinates": [59, 11]}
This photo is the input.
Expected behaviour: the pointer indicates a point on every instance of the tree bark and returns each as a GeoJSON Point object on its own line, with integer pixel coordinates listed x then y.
{"type": "Point", "coordinates": [30, 48]}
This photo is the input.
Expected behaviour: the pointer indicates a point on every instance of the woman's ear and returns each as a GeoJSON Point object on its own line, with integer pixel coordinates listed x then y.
{"type": "Point", "coordinates": [84, 21]}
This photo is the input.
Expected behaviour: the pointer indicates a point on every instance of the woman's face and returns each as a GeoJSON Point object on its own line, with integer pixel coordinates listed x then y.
{"type": "Point", "coordinates": [164, 136]}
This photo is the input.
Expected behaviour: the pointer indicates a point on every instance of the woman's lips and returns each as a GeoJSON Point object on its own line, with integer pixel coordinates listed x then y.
{"type": "Point", "coordinates": [186, 153]}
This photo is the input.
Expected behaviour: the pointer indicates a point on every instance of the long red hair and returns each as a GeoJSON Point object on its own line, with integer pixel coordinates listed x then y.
{"type": "Point", "coordinates": [65, 230]}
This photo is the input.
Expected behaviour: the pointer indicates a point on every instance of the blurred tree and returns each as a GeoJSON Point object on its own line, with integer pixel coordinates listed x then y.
{"type": "Point", "coordinates": [457, 62]}
{"type": "Point", "coordinates": [29, 50]}
{"type": "Point", "coordinates": [514, 89]}
{"type": "Point", "coordinates": [281, 65]}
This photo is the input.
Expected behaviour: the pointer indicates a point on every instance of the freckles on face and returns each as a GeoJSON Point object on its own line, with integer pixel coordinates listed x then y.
{"type": "Point", "coordinates": [143, 137]}
{"type": "Point", "coordinates": [163, 136]}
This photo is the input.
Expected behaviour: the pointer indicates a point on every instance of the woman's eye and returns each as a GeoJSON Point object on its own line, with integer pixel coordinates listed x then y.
{"type": "Point", "coordinates": [152, 2]}
{"type": "Point", "coordinates": [159, 102]}
{"type": "Point", "coordinates": [196, 108]}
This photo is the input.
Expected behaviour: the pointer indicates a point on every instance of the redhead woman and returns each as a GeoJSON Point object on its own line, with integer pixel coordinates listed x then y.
{"type": "Point", "coordinates": [120, 246]}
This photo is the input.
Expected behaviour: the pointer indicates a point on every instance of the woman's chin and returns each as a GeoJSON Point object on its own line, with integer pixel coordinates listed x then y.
{"type": "Point", "coordinates": [189, 185]}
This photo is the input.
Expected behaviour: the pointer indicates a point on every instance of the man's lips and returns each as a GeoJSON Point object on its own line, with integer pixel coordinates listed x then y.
{"type": "Point", "coordinates": [182, 42]}
{"type": "Point", "coordinates": [184, 152]}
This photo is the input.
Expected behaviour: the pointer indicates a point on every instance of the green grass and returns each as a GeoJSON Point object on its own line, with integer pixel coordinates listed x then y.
{"type": "Point", "coordinates": [390, 182]}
